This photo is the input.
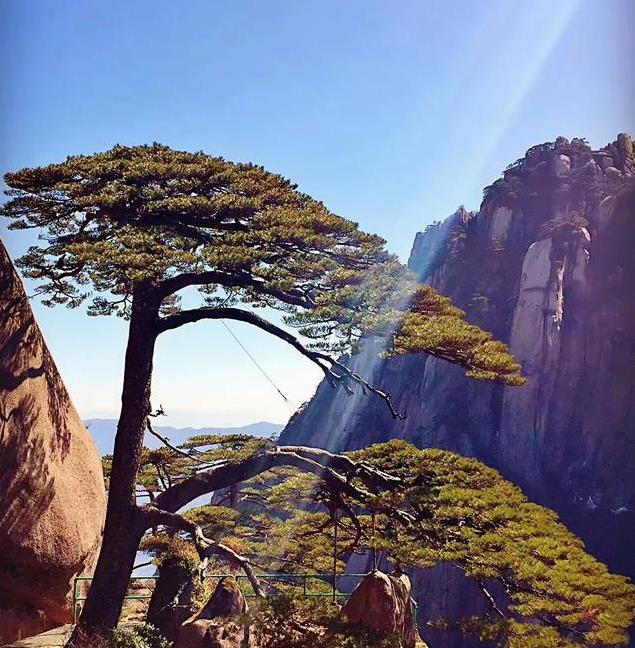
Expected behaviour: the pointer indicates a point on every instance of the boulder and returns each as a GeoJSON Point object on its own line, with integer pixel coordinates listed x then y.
{"type": "Point", "coordinates": [226, 602]}
{"type": "Point", "coordinates": [208, 633]}
{"type": "Point", "coordinates": [55, 638]}
{"type": "Point", "coordinates": [52, 496]}
{"type": "Point", "coordinates": [625, 145]}
{"type": "Point", "coordinates": [382, 602]}
{"type": "Point", "coordinates": [561, 165]}
{"type": "Point", "coordinates": [612, 172]}
{"type": "Point", "coordinates": [591, 168]}
{"type": "Point", "coordinates": [212, 627]}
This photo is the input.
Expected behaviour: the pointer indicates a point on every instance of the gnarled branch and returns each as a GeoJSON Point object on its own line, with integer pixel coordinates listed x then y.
{"type": "Point", "coordinates": [336, 372]}
{"type": "Point", "coordinates": [336, 470]}
{"type": "Point", "coordinates": [153, 516]}
{"type": "Point", "coordinates": [234, 280]}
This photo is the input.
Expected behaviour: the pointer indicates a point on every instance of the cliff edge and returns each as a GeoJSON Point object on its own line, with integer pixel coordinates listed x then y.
{"type": "Point", "coordinates": [547, 265]}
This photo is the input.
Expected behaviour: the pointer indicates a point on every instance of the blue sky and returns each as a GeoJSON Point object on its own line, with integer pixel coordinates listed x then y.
{"type": "Point", "coordinates": [392, 113]}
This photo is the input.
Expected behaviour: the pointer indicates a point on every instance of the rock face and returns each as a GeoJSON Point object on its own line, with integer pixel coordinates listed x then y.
{"type": "Point", "coordinates": [547, 265]}
{"type": "Point", "coordinates": [226, 602]}
{"type": "Point", "coordinates": [52, 497]}
{"type": "Point", "coordinates": [382, 602]}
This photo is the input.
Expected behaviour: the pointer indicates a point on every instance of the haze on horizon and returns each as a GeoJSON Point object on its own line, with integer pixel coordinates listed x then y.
{"type": "Point", "coordinates": [391, 116]}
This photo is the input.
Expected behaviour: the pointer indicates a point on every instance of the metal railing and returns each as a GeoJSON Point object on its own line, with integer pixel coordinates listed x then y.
{"type": "Point", "coordinates": [325, 578]}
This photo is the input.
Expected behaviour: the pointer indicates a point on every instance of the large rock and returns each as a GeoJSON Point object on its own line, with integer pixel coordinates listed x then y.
{"type": "Point", "coordinates": [52, 497]}
{"type": "Point", "coordinates": [226, 602]}
{"type": "Point", "coordinates": [561, 165]}
{"type": "Point", "coordinates": [613, 173]}
{"type": "Point", "coordinates": [625, 145]}
{"type": "Point", "coordinates": [562, 296]}
{"type": "Point", "coordinates": [382, 602]}
{"type": "Point", "coordinates": [55, 638]}
{"type": "Point", "coordinates": [212, 626]}
{"type": "Point", "coordinates": [211, 634]}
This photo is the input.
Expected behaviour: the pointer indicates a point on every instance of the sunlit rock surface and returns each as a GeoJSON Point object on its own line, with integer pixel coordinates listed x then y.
{"type": "Point", "coordinates": [212, 626]}
{"type": "Point", "coordinates": [382, 602]}
{"type": "Point", "coordinates": [52, 497]}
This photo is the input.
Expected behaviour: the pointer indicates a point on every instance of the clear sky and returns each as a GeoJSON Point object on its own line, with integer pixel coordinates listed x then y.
{"type": "Point", "coordinates": [392, 113]}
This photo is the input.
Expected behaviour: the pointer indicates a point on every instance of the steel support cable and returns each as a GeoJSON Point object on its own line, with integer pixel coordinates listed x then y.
{"type": "Point", "coordinates": [292, 408]}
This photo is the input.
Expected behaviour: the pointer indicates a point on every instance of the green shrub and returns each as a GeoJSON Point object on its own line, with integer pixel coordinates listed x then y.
{"type": "Point", "coordinates": [145, 636]}
{"type": "Point", "coordinates": [287, 621]}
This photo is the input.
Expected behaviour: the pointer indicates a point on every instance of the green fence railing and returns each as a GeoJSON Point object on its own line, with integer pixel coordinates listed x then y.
{"type": "Point", "coordinates": [303, 578]}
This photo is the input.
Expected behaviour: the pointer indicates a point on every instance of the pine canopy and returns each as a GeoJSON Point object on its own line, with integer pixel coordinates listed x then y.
{"type": "Point", "coordinates": [540, 587]}
{"type": "Point", "coordinates": [150, 216]}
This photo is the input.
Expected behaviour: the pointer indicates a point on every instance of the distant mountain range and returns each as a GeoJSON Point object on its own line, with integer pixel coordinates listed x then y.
{"type": "Point", "coordinates": [103, 432]}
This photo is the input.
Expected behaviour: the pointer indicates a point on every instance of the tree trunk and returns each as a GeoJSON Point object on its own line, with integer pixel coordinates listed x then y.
{"type": "Point", "coordinates": [172, 601]}
{"type": "Point", "coordinates": [123, 529]}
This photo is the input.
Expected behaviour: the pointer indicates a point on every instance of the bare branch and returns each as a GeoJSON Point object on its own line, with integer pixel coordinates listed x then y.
{"type": "Point", "coordinates": [372, 477]}
{"type": "Point", "coordinates": [166, 441]}
{"type": "Point", "coordinates": [335, 371]}
{"type": "Point", "coordinates": [487, 594]}
{"type": "Point", "coordinates": [355, 377]}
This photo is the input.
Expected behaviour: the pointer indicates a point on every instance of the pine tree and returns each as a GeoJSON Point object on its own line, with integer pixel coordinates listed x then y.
{"type": "Point", "coordinates": [131, 228]}
{"type": "Point", "coordinates": [417, 508]}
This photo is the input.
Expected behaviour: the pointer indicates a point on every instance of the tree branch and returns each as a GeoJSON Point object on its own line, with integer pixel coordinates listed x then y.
{"type": "Point", "coordinates": [342, 375]}
{"type": "Point", "coordinates": [311, 460]}
{"type": "Point", "coordinates": [487, 594]}
{"type": "Point", "coordinates": [167, 443]}
{"type": "Point", "coordinates": [238, 280]}
{"type": "Point", "coordinates": [205, 547]}
{"type": "Point", "coordinates": [356, 524]}
{"type": "Point", "coordinates": [372, 477]}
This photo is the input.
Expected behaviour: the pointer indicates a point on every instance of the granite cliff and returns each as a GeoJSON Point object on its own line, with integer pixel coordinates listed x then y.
{"type": "Point", "coordinates": [546, 264]}
{"type": "Point", "coordinates": [52, 496]}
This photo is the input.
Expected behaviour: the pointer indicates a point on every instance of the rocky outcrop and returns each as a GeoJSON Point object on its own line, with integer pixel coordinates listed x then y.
{"type": "Point", "coordinates": [55, 638]}
{"type": "Point", "coordinates": [211, 634]}
{"type": "Point", "coordinates": [212, 627]}
{"type": "Point", "coordinates": [52, 497]}
{"type": "Point", "coordinates": [547, 265]}
{"type": "Point", "coordinates": [226, 602]}
{"type": "Point", "coordinates": [382, 602]}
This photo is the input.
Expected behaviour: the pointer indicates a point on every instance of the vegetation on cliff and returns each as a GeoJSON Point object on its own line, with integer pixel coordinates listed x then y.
{"type": "Point", "coordinates": [540, 586]}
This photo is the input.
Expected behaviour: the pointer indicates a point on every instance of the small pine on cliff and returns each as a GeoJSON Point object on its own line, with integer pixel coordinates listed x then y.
{"type": "Point", "coordinates": [540, 587]}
